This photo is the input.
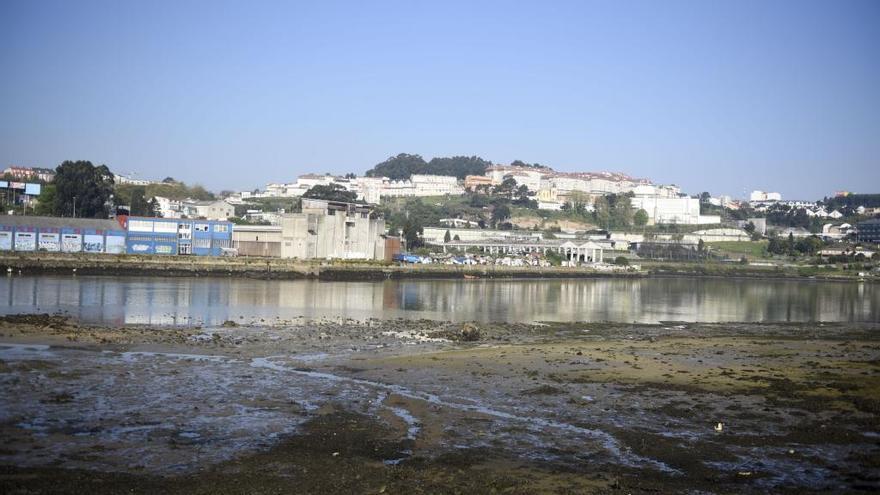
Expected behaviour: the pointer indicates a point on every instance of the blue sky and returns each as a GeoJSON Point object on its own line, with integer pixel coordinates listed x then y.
{"type": "Point", "coordinates": [718, 96]}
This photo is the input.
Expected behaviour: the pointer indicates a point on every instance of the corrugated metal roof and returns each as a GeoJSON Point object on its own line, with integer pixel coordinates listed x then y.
{"type": "Point", "coordinates": [59, 222]}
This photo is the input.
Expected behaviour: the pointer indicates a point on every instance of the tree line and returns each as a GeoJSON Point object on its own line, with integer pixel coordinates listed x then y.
{"type": "Point", "coordinates": [85, 190]}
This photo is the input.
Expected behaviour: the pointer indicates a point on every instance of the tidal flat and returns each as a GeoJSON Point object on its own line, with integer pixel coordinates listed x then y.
{"type": "Point", "coordinates": [419, 406]}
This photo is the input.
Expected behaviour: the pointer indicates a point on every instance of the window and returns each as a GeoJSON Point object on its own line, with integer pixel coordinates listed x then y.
{"type": "Point", "coordinates": [221, 228]}
{"type": "Point", "coordinates": [365, 215]}
{"type": "Point", "coordinates": [331, 212]}
{"type": "Point", "coordinates": [201, 227]}
{"type": "Point", "coordinates": [202, 243]}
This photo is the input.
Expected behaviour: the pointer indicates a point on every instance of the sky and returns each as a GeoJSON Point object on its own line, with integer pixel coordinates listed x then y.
{"type": "Point", "coordinates": [724, 97]}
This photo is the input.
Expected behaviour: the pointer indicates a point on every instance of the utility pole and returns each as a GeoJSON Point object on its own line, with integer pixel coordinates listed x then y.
{"type": "Point", "coordinates": [74, 207]}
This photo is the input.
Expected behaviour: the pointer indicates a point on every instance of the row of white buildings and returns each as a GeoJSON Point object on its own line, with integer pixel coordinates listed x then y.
{"type": "Point", "coordinates": [663, 203]}
{"type": "Point", "coordinates": [368, 189]}
{"type": "Point", "coordinates": [551, 189]}
{"type": "Point", "coordinates": [190, 208]}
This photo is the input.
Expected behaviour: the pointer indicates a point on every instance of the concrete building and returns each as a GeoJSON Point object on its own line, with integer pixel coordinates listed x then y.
{"type": "Point", "coordinates": [56, 234]}
{"type": "Point", "coordinates": [331, 229]}
{"type": "Point", "coordinates": [257, 240]}
{"type": "Point", "coordinates": [176, 236]}
{"type": "Point", "coordinates": [209, 210]}
{"type": "Point", "coordinates": [472, 182]}
{"type": "Point", "coordinates": [664, 210]}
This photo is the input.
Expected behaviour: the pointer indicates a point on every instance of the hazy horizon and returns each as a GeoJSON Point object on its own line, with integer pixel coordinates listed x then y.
{"type": "Point", "coordinates": [711, 96]}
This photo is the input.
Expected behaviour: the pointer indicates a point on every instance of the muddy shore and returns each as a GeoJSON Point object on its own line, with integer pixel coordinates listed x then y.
{"type": "Point", "coordinates": [399, 406]}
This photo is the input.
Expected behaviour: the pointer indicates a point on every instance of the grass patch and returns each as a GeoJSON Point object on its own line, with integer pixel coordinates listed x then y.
{"type": "Point", "coordinates": [750, 249]}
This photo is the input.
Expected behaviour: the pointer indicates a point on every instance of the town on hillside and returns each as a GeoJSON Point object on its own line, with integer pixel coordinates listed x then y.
{"type": "Point", "coordinates": [459, 210]}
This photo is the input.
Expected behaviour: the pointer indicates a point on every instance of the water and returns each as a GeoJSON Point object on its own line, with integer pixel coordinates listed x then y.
{"type": "Point", "coordinates": [210, 301]}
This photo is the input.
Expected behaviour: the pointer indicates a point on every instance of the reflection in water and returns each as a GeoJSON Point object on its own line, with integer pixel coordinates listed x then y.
{"type": "Point", "coordinates": [184, 301]}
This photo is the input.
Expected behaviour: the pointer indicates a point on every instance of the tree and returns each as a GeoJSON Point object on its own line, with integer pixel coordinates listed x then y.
{"type": "Point", "coordinates": [399, 167]}
{"type": "Point", "coordinates": [83, 188]}
{"type": "Point", "coordinates": [448, 236]}
{"type": "Point", "coordinates": [749, 228]}
{"type": "Point", "coordinates": [168, 180]}
{"type": "Point", "coordinates": [331, 192]}
{"type": "Point", "coordinates": [500, 213]}
{"type": "Point", "coordinates": [507, 187]}
{"type": "Point", "coordinates": [153, 209]}
{"type": "Point", "coordinates": [137, 205]}
{"type": "Point", "coordinates": [520, 163]}
{"type": "Point", "coordinates": [640, 218]}
{"type": "Point", "coordinates": [46, 201]}
{"type": "Point", "coordinates": [704, 197]}
{"type": "Point", "coordinates": [457, 166]}
{"type": "Point", "coordinates": [412, 232]}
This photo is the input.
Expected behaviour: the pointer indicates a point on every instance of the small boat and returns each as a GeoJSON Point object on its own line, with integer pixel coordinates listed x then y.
{"type": "Point", "coordinates": [470, 277]}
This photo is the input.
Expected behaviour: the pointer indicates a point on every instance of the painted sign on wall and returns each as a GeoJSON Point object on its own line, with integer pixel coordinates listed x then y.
{"type": "Point", "coordinates": [5, 241]}
{"type": "Point", "coordinates": [50, 242]}
{"type": "Point", "coordinates": [115, 244]}
{"type": "Point", "coordinates": [25, 241]}
{"type": "Point", "coordinates": [140, 248]}
{"type": "Point", "coordinates": [71, 243]}
{"type": "Point", "coordinates": [165, 227]}
{"type": "Point", "coordinates": [93, 243]}
{"type": "Point", "coordinates": [140, 225]}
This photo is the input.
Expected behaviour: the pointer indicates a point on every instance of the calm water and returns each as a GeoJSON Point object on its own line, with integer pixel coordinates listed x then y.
{"type": "Point", "coordinates": [211, 301]}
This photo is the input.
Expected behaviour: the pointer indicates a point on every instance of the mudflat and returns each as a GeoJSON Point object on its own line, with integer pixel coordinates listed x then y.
{"type": "Point", "coordinates": [401, 406]}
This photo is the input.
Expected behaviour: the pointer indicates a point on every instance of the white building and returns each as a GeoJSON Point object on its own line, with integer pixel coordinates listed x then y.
{"type": "Point", "coordinates": [122, 179]}
{"type": "Point", "coordinates": [683, 210]}
{"type": "Point", "coordinates": [169, 208]}
{"type": "Point", "coordinates": [760, 196]}
{"type": "Point", "coordinates": [436, 235]}
{"type": "Point", "coordinates": [209, 210]}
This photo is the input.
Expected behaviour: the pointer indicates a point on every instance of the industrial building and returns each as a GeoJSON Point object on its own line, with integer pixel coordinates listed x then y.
{"type": "Point", "coordinates": [170, 236]}
{"type": "Point", "coordinates": [332, 229]}
{"type": "Point", "coordinates": [257, 240]}
{"type": "Point", "coordinates": [869, 230]}
{"type": "Point", "coordinates": [66, 235]}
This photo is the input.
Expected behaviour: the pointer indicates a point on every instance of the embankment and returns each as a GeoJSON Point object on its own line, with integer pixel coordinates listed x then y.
{"type": "Point", "coordinates": [276, 268]}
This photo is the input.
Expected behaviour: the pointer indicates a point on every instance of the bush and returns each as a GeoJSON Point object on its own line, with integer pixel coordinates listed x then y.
{"type": "Point", "coordinates": [743, 261]}
{"type": "Point", "coordinates": [555, 259]}
{"type": "Point", "coordinates": [621, 261]}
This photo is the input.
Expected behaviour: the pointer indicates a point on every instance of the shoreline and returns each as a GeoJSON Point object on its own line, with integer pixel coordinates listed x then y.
{"type": "Point", "coordinates": [283, 269]}
{"type": "Point", "coordinates": [438, 407]}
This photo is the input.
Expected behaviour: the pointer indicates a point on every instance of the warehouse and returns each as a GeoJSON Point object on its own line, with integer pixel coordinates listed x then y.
{"type": "Point", "coordinates": [257, 240]}
{"type": "Point", "coordinates": [54, 234]}
{"type": "Point", "coordinates": [170, 236]}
